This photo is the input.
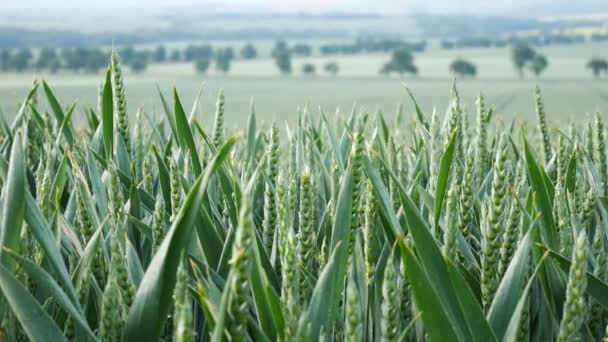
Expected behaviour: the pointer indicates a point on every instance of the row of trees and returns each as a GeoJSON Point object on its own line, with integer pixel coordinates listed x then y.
{"type": "Point", "coordinates": [52, 60]}
{"type": "Point", "coordinates": [525, 57]}
{"type": "Point", "coordinates": [370, 45]}
{"type": "Point", "coordinates": [534, 40]}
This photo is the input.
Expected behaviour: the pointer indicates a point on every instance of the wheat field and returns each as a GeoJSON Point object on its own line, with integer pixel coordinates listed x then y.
{"type": "Point", "coordinates": [151, 225]}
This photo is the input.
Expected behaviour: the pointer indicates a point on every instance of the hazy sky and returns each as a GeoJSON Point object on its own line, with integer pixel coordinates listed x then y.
{"type": "Point", "coordinates": [378, 6]}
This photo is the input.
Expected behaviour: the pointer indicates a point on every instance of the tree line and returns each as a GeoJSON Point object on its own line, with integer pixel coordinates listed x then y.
{"type": "Point", "coordinates": [533, 40]}
{"type": "Point", "coordinates": [524, 56]}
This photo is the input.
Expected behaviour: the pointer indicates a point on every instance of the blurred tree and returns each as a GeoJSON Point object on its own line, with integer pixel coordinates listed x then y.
{"type": "Point", "coordinates": [201, 65]}
{"type": "Point", "coordinates": [402, 61]}
{"type": "Point", "coordinates": [96, 60]}
{"type": "Point", "coordinates": [175, 56]}
{"type": "Point", "coordinates": [138, 65]}
{"type": "Point", "coordinates": [309, 69]}
{"type": "Point", "coordinates": [5, 59]}
{"type": "Point", "coordinates": [160, 54]}
{"type": "Point", "coordinates": [223, 59]}
{"type": "Point", "coordinates": [332, 68]}
{"type": "Point", "coordinates": [75, 59]}
{"type": "Point", "coordinates": [597, 66]}
{"type": "Point", "coordinates": [302, 49]}
{"type": "Point", "coordinates": [521, 54]}
{"type": "Point", "coordinates": [21, 60]}
{"type": "Point", "coordinates": [463, 68]}
{"type": "Point", "coordinates": [538, 64]}
{"type": "Point", "coordinates": [229, 52]}
{"type": "Point", "coordinates": [54, 66]}
{"type": "Point", "coordinates": [249, 52]}
{"type": "Point", "coordinates": [283, 60]}
{"type": "Point", "coordinates": [193, 52]}
{"type": "Point", "coordinates": [280, 47]}
{"type": "Point", "coordinates": [45, 58]}
{"type": "Point", "coordinates": [127, 53]}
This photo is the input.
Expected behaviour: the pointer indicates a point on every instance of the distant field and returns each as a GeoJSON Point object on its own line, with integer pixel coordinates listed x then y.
{"type": "Point", "coordinates": [568, 87]}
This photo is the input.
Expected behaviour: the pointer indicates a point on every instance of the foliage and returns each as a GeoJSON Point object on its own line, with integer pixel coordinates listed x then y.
{"type": "Point", "coordinates": [201, 65]}
{"type": "Point", "coordinates": [597, 66]}
{"type": "Point", "coordinates": [331, 68]}
{"type": "Point", "coordinates": [138, 66]}
{"type": "Point", "coordinates": [522, 54]}
{"type": "Point", "coordinates": [223, 59]}
{"type": "Point", "coordinates": [282, 59]}
{"type": "Point", "coordinates": [463, 68]}
{"type": "Point", "coordinates": [309, 69]}
{"type": "Point", "coordinates": [402, 61]}
{"type": "Point", "coordinates": [538, 64]}
{"type": "Point", "coordinates": [249, 51]}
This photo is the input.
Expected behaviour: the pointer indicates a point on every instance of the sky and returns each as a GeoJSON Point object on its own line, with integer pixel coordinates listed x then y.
{"type": "Point", "coordinates": [491, 7]}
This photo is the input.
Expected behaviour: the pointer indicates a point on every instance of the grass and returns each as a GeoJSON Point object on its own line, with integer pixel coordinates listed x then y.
{"type": "Point", "coordinates": [353, 227]}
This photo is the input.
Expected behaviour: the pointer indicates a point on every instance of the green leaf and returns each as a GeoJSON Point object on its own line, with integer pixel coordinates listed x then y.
{"type": "Point", "coordinates": [43, 233]}
{"type": "Point", "coordinates": [264, 296]}
{"type": "Point", "coordinates": [512, 332]}
{"type": "Point", "coordinates": [107, 115]}
{"type": "Point", "coordinates": [168, 114]}
{"type": "Point", "coordinates": [511, 287]}
{"type": "Point", "coordinates": [184, 134]}
{"type": "Point", "coordinates": [163, 175]}
{"type": "Point", "coordinates": [595, 287]}
{"type": "Point", "coordinates": [13, 208]}
{"type": "Point", "coordinates": [571, 173]}
{"type": "Point", "coordinates": [444, 174]}
{"type": "Point", "coordinates": [251, 137]}
{"type": "Point", "coordinates": [65, 125]}
{"type": "Point", "coordinates": [325, 300]}
{"type": "Point", "coordinates": [543, 199]}
{"type": "Point", "coordinates": [36, 323]}
{"type": "Point", "coordinates": [57, 110]}
{"type": "Point", "coordinates": [428, 251]}
{"type": "Point", "coordinates": [154, 295]}
{"type": "Point", "coordinates": [434, 316]}
{"type": "Point", "coordinates": [419, 113]}
{"type": "Point", "coordinates": [42, 279]}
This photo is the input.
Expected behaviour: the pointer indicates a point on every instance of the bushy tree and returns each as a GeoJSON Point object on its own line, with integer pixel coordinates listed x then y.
{"type": "Point", "coordinates": [249, 51]}
{"type": "Point", "coordinates": [175, 56]}
{"type": "Point", "coordinates": [223, 59]}
{"type": "Point", "coordinates": [127, 53]}
{"type": "Point", "coordinates": [21, 60]}
{"type": "Point", "coordinates": [5, 59]}
{"type": "Point", "coordinates": [309, 69]}
{"type": "Point", "coordinates": [402, 61]}
{"type": "Point", "coordinates": [201, 65]}
{"type": "Point", "coordinates": [74, 59]}
{"type": "Point", "coordinates": [97, 60]}
{"type": "Point", "coordinates": [45, 58]}
{"type": "Point", "coordinates": [463, 68]}
{"type": "Point", "coordinates": [332, 68]}
{"type": "Point", "coordinates": [160, 54]}
{"type": "Point", "coordinates": [193, 52]}
{"type": "Point", "coordinates": [597, 66]}
{"type": "Point", "coordinates": [138, 65]}
{"type": "Point", "coordinates": [538, 64]}
{"type": "Point", "coordinates": [522, 54]}
{"type": "Point", "coordinates": [283, 60]}
{"type": "Point", "coordinates": [280, 47]}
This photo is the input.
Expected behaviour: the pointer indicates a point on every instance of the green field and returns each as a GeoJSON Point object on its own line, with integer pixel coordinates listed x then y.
{"type": "Point", "coordinates": [568, 87]}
